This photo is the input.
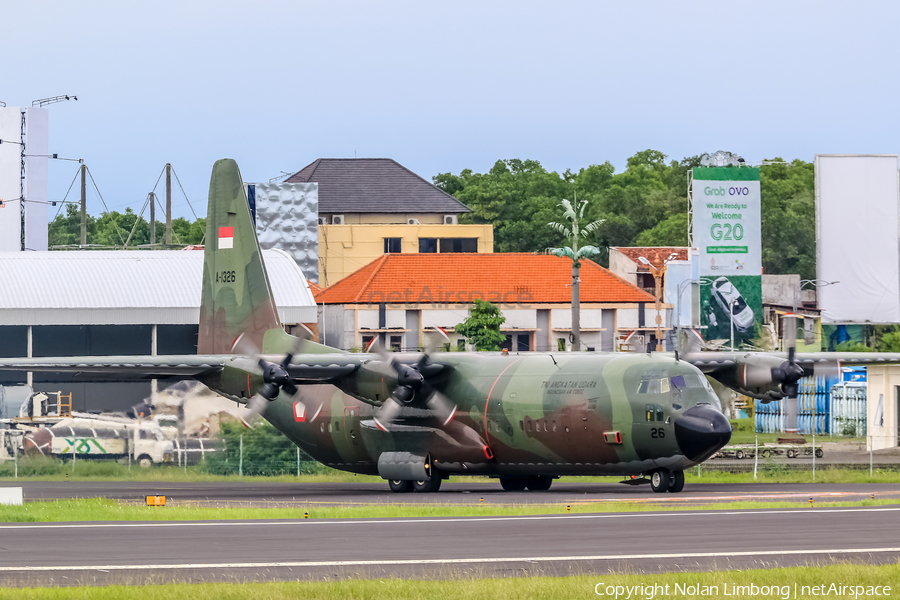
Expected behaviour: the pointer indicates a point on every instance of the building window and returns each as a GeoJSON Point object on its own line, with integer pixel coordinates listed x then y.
{"type": "Point", "coordinates": [366, 340]}
{"type": "Point", "coordinates": [392, 246]}
{"type": "Point", "coordinates": [561, 344]}
{"type": "Point", "coordinates": [428, 245]}
{"type": "Point", "coordinates": [395, 343]}
{"type": "Point", "coordinates": [461, 345]}
{"type": "Point", "coordinates": [459, 245]}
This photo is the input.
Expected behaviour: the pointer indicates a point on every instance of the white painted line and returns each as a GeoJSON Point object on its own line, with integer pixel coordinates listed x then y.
{"type": "Point", "coordinates": [447, 520]}
{"type": "Point", "coordinates": [448, 561]}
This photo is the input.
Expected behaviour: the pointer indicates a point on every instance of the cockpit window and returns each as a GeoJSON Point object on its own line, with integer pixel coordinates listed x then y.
{"type": "Point", "coordinates": [664, 385]}
{"type": "Point", "coordinates": [678, 382]}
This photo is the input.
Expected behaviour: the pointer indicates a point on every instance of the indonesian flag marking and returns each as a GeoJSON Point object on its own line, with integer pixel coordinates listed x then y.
{"type": "Point", "coordinates": [443, 332]}
{"type": "Point", "coordinates": [226, 238]}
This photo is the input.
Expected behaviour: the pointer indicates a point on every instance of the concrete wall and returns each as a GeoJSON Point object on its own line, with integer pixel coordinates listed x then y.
{"type": "Point", "coordinates": [623, 266]}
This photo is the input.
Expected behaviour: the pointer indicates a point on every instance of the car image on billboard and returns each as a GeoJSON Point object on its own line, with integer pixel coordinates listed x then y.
{"type": "Point", "coordinates": [726, 295]}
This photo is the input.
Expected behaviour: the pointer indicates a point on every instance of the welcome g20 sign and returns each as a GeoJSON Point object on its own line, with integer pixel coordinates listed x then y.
{"type": "Point", "coordinates": [726, 223]}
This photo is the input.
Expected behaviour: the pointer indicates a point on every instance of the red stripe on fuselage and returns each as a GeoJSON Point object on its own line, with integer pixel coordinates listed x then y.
{"type": "Point", "coordinates": [488, 401]}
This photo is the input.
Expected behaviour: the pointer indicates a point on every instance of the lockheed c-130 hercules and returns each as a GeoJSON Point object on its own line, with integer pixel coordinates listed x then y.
{"type": "Point", "coordinates": [417, 418]}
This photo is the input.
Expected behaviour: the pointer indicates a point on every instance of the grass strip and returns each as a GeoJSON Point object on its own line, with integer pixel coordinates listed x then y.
{"type": "Point", "coordinates": [796, 582]}
{"type": "Point", "coordinates": [101, 509]}
{"type": "Point", "coordinates": [769, 472]}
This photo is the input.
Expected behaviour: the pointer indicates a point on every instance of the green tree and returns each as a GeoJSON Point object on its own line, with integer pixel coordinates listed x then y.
{"type": "Point", "coordinates": [788, 218]}
{"type": "Point", "coordinates": [482, 326]}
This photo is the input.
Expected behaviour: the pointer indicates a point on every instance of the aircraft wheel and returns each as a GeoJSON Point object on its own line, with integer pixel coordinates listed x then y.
{"type": "Point", "coordinates": [539, 483]}
{"type": "Point", "coordinates": [513, 484]}
{"type": "Point", "coordinates": [428, 485]}
{"type": "Point", "coordinates": [145, 461]}
{"type": "Point", "coordinates": [677, 482]}
{"type": "Point", "coordinates": [659, 481]}
{"type": "Point", "coordinates": [400, 486]}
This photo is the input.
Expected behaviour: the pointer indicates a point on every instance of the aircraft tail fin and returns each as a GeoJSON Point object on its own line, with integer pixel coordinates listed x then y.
{"type": "Point", "coordinates": [236, 297]}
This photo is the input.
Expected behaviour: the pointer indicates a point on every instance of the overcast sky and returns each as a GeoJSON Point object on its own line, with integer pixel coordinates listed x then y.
{"type": "Point", "coordinates": [444, 86]}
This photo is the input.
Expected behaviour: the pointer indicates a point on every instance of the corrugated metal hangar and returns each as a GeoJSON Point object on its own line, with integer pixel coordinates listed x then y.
{"type": "Point", "coordinates": [116, 303]}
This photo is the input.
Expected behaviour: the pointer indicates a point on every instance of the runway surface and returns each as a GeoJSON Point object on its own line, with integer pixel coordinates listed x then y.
{"type": "Point", "coordinates": [105, 553]}
{"type": "Point", "coordinates": [324, 494]}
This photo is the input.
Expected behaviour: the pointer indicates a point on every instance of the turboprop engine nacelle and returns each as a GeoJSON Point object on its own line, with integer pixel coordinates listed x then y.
{"type": "Point", "coordinates": [761, 377]}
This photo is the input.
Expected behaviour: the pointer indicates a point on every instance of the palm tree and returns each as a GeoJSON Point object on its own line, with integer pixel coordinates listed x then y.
{"type": "Point", "coordinates": [573, 232]}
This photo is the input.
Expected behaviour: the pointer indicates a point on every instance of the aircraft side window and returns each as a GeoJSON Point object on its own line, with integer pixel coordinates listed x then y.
{"type": "Point", "coordinates": [554, 425]}
{"type": "Point", "coordinates": [322, 427]}
{"type": "Point", "coordinates": [337, 425]}
{"type": "Point", "coordinates": [659, 413]}
{"type": "Point", "coordinates": [545, 425]}
{"type": "Point", "coordinates": [537, 426]}
{"type": "Point", "coordinates": [522, 425]}
{"type": "Point", "coordinates": [329, 428]}
{"type": "Point", "coordinates": [642, 389]}
{"type": "Point", "coordinates": [529, 425]}
{"type": "Point", "coordinates": [651, 411]}
{"type": "Point", "coordinates": [664, 385]}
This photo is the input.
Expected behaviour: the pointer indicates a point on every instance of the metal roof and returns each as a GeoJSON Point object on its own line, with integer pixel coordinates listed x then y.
{"type": "Point", "coordinates": [128, 287]}
{"type": "Point", "coordinates": [374, 185]}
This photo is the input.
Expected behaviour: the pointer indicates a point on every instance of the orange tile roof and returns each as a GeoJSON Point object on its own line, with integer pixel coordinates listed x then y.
{"type": "Point", "coordinates": [315, 288]}
{"type": "Point", "coordinates": [454, 278]}
{"type": "Point", "coordinates": [655, 254]}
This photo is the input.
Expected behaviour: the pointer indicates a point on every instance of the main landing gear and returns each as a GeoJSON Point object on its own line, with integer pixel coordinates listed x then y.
{"type": "Point", "coordinates": [400, 486]}
{"type": "Point", "coordinates": [663, 480]}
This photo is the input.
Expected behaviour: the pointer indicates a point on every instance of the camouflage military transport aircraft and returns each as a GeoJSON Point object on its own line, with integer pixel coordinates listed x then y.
{"type": "Point", "coordinates": [415, 419]}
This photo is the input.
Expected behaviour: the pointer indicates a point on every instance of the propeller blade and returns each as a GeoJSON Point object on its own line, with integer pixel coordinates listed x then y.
{"type": "Point", "coordinates": [387, 413]}
{"type": "Point", "coordinates": [242, 345]}
{"type": "Point", "coordinates": [255, 407]}
{"type": "Point", "coordinates": [442, 407]}
{"type": "Point", "coordinates": [790, 335]}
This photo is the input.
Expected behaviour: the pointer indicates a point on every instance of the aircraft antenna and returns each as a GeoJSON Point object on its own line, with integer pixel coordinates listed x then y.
{"type": "Point", "coordinates": [554, 360]}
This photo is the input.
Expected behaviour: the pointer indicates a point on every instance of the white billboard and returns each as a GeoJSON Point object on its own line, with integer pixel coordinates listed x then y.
{"type": "Point", "coordinates": [858, 237]}
{"type": "Point", "coordinates": [10, 179]}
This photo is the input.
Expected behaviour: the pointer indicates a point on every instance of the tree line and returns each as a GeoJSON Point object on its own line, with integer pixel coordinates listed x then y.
{"type": "Point", "coordinates": [644, 205]}
{"type": "Point", "coordinates": [112, 229]}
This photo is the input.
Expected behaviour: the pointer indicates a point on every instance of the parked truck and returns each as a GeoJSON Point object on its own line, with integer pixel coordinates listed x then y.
{"type": "Point", "coordinates": [142, 442]}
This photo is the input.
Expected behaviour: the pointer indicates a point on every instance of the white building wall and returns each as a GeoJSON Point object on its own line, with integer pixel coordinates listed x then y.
{"type": "Point", "coordinates": [443, 318]}
{"type": "Point", "coordinates": [881, 399]}
{"type": "Point", "coordinates": [627, 318]}
{"type": "Point", "coordinates": [520, 319]}
{"type": "Point", "coordinates": [395, 319]}
{"type": "Point", "coordinates": [560, 318]}
{"type": "Point", "coordinates": [37, 131]}
{"type": "Point", "coordinates": [368, 319]}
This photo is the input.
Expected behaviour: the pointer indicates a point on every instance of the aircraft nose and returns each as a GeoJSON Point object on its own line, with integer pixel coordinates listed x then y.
{"type": "Point", "coordinates": [701, 431]}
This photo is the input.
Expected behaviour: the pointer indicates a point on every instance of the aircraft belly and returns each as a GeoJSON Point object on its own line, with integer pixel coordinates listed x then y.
{"type": "Point", "coordinates": [328, 430]}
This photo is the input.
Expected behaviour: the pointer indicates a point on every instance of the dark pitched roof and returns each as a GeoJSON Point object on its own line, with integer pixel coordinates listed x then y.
{"type": "Point", "coordinates": [374, 185]}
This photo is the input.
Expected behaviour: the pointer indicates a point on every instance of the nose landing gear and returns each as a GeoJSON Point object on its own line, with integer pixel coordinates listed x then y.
{"type": "Point", "coordinates": [663, 480]}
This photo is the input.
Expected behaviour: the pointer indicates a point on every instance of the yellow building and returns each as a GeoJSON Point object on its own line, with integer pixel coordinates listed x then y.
{"type": "Point", "coordinates": [373, 206]}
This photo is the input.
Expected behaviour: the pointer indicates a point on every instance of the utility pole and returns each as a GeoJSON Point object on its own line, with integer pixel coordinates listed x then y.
{"type": "Point", "coordinates": [84, 205]}
{"type": "Point", "coordinates": [168, 204]}
{"type": "Point", "coordinates": [576, 291]}
{"type": "Point", "coordinates": [152, 219]}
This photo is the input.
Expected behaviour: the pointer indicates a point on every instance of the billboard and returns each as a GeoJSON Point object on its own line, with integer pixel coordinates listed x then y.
{"type": "Point", "coordinates": [857, 225]}
{"type": "Point", "coordinates": [726, 232]}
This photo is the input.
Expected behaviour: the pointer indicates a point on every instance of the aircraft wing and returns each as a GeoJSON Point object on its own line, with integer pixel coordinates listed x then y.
{"type": "Point", "coordinates": [711, 363]}
{"type": "Point", "coordinates": [122, 368]}
{"type": "Point", "coordinates": [315, 368]}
